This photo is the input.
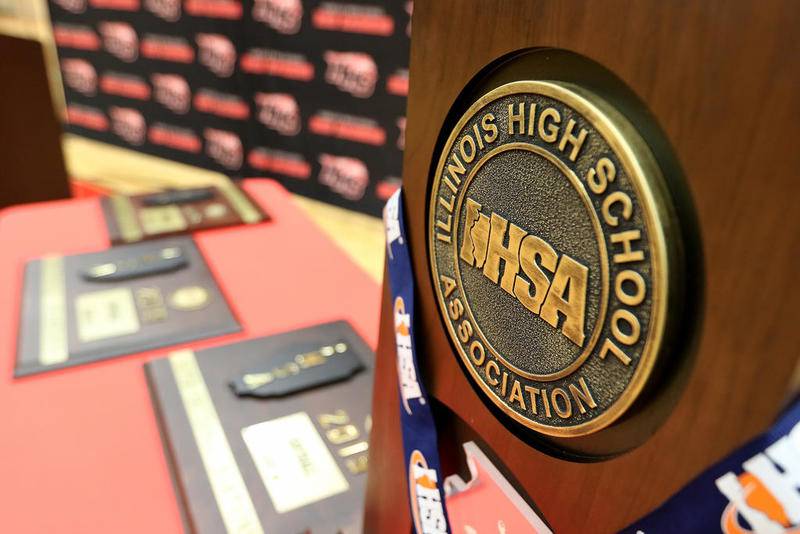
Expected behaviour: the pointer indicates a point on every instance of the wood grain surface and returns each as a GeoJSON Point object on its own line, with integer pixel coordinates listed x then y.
{"type": "Point", "coordinates": [721, 79]}
{"type": "Point", "coordinates": [29, 129]}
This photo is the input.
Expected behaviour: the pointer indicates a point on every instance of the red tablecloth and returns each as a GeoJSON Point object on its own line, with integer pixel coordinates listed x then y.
{"type": "Point", "coordinates": [80, 451]}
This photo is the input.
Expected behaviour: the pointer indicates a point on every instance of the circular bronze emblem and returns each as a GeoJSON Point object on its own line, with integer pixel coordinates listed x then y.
{"type": "Point", "coordinates": [546, 242]}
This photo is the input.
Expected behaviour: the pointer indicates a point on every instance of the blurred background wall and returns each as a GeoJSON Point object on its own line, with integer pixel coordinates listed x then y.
{"type": "Point", "coordinates": [347, 149]}
{"type": "Point", "coordinates": [311, 92]}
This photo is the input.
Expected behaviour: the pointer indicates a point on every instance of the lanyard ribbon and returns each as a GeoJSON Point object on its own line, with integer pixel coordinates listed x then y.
{"type": "Point", "coordinates": [425, 489]}
{"type": "Point", "coordinates": [754, 490]}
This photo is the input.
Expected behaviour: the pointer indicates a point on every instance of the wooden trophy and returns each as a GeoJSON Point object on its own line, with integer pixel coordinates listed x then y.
{"type": "Point", "coordinates": [600, 210]}
{"type": "Point", "coordinates": [30, 134]}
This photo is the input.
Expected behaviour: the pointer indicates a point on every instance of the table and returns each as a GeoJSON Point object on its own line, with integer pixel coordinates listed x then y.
{"type": "Point", "coordinates": [80, 450]}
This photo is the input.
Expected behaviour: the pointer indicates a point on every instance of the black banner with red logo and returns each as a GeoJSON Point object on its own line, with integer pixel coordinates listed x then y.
{"type": "Point", "coordinates": [311, 92]}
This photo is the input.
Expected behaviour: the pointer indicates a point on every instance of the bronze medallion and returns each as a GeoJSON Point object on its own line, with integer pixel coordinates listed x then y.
{"type": "Point", "coordinates": [546, 236]}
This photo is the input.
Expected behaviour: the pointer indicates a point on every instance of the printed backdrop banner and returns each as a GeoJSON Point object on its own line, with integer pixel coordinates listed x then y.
{"type": "Point", "coordinates": [311, 92]}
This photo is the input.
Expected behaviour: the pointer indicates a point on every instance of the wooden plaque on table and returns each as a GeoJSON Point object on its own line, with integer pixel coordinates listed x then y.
{"type": "Point", "coordinates": [74, 313]}
{"type": "Point", "coordinates": [154, 215]}
{"type": "Point", "coordinates": [290, 463]}
{"type": "Point", "coordinates": [702, 89]}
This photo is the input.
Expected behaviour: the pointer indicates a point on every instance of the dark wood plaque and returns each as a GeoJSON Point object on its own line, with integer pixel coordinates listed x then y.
{"type": "Point", "coordinates": [295, 463]}
{"type": "Point", "coordinates": [73, 310]}
{"type": "Point", "coordinates": [179, 211]}
{"type": "Point", "coordinates": [711, 87]}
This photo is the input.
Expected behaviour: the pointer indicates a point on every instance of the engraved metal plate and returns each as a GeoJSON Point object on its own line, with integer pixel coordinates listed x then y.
{"type": "Point", "coordinates": [294, 463]}
{"type": "Point", "coordinates": [106, 314]}
{"type": "Point", "coordinates": [546, 236]}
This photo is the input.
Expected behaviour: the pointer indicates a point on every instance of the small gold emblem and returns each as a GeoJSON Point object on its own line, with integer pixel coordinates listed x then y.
{"type": "Point", "coordinates": [547, 249]}
{"type": "Point", "coordinates": [162, 220]}
{"type": "Point", "coordinates": [189, 298]}
{"type": "Point", "coordinates": [215, 210]}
